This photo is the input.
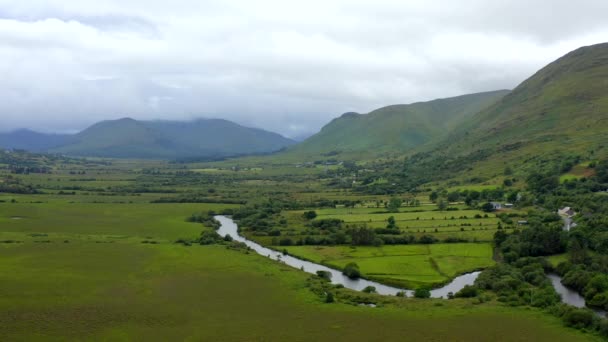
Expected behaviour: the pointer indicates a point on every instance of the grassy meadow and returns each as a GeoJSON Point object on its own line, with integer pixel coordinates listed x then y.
{"type": "Point", "coordinates": [408, 266]}
{"type": "Point", "coordinates": [91, 255]}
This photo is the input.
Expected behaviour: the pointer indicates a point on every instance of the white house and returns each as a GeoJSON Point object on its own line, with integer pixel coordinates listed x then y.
{"type": "Point", "coordinates": [566, 211]}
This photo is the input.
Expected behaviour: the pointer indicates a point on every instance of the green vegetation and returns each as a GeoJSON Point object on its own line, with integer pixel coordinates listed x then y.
{"type": "Point", "coordinates": [102, 249]}
{"type": "Point", "coordinates": [129, 138]}
{"type": "Point", "coordinates": [409, 266]}
{"type": "Point", "coordinates": [390, 129]}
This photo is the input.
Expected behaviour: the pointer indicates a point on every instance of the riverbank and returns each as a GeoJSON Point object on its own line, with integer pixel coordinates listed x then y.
{"type": "Point", "coordinates": [229, 227]}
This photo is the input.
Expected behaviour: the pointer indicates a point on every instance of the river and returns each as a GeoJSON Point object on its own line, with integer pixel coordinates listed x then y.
{"type": "Point", "coordinates": [570, 296]}
{"type": "Point", "coordinates": [229, 227]}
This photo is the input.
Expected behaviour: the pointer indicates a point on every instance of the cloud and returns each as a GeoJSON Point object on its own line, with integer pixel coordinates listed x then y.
{"type": "Point", "coordinates": [288, 66]}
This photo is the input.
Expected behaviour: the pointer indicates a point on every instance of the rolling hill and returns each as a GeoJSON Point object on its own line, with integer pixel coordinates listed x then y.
{"type": "Point", "coordinates": [25, 139]}
{"type": "Point", "coordinates": [394, 128]}
{"type": "Point", "coordinates": [129, 138]}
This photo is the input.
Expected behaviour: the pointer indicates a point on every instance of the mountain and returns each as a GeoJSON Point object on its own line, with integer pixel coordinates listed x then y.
{"type": "Point", "coordinates": [558, 115]}
{"type": "Point", "coordinates": [129, 138]}
{"type": "Point", "coordinates": [394, 128]}
{"type": "Point", "coordinates": [24, 139]}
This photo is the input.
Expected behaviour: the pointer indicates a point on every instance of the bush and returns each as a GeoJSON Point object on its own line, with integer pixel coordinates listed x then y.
{"type": "Point", "coordinates": [422, 292]}
{"type": "Point", "coordinates": [286, 242]}
{"type": "Point", "coordinates": [329, 297]}
{"type": "Point", "coordinates": [369, 289]}
{"type": "Point", "coordinates": [351, 270]}
{"type": "Point", "coordinates": [324, 275]}
{"type": "Point", "coordinates": [309, 215]}
{"type": "Point", "coordinates": [209, 238]}
{"type": "Point", "coordinates": [578, 318]}
{"type": "Point", "coordinates": [468, 291]}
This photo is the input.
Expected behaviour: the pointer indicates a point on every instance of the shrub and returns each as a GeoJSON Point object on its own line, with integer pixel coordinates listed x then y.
{"type": "Point", "coordinates": [422, 292]}
{"type": "Point", "coordinates": [310, 215]}
{"type": "Point", "coordinates": [324, 275]}
{"type": "Point", "coordinates": [351, 270]}
{"type": "Point", "coordinates": [369, 289]}
{"type": "Point", "coordinates": [578, 318]}
{"type": "Point", "coordinates": [468, 291]}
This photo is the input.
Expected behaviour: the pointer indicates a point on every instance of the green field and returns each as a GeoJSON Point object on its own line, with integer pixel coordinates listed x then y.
{"type": "Point", "coordinates": [158, 221]}
{"type": "Point", "coordinates": [408, 266]}
{"type": "Point", "coordinates": [89, 256]}
{"type": "Point", "coordinates": [132, 291]}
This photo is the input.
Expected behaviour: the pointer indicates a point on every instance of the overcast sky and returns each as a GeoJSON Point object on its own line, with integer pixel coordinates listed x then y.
{"type": "Point", "coordinates": [288, 66]}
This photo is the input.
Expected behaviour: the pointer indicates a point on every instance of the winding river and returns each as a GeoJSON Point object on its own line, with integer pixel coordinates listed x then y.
{"type": "Point", "coordinates": [229, 227]}
{"type": "Point", "coordinates": [570, 296]}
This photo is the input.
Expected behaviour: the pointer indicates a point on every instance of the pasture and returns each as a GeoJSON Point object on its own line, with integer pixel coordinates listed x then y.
{"type": "Point", "coordinates": [132, 291]}
{"type": "Point", "coordinates": [407, 266]}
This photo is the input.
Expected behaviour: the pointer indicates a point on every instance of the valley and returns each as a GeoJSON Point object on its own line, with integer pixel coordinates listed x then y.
{"type": "Point", "coordinates": [145, 230]}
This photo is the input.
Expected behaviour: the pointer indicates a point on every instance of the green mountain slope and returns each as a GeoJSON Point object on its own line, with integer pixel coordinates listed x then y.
{"type": "Point", "coordinates": [128, 138]}
{"type": "Point", "coordinates": [394, 128]}
{"type": "Point", "coordinates": [25, 139]}
{"type": "Point", "coordinates": [560, 113]}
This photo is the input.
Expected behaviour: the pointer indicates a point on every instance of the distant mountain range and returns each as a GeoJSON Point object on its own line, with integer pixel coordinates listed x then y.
{"type": "Point", "coordinates": [560, 110]}
{"type": "Point", "coordinates": [129, 138]}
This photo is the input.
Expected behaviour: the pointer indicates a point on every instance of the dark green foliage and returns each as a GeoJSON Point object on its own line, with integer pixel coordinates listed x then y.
{"type": "Point", "coordinates": [394, 204]}
{"type": "Point", "coordinates": [351, 270]}
{"type": "Point", "coordinates": [487, 207]}
{"type": "Point", "coordinates": [209, 238]}
{"type": "Point", "coordinates": [467, 291]}
{"type": "Point", "coordinates": [362, 236]}
{"type": "Point", "coordinates": [310, 215]}
{"type": "Point", "coordinates": [324, 275]}
{"type": "Point", "coordinates": [327, 224]}
{"type": "Point", "coordinates": [369, 289]}
{"type": "Point", "coordinates": [422, 292]}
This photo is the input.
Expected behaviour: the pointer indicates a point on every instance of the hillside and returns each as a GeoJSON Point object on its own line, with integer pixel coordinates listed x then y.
{"type": "Point", "coordinates": [129, 138]}
{"type": "Point", "coordinates": [24, 139]}
{"type": "Point", "coordinates": [557, 115]}
{"type": "Point", "coordinates": [394, 128]}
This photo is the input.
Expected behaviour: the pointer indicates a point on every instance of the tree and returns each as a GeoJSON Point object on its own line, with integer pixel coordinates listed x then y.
{"type": "Point", "coordinates": [422, 292]}
{"type": "Point", "coordinates": [487, 207]}
{"type": "Point", "coordinates": [392, 224]}
{"type": "Point", "coordinates": [433, 196]}
{"type": "Point", "coordinates": [329, 297]}
{"type": "Point", "coordinates": [442, 205]}
{"type": "Point", "coordinates": [324, 275]}
{"type": "Point", "coordinates": [467, 291]}
{"type": "Point", "coordinates": [351, 270]}
{"type": "Point", "coordinates": [394, 204]}
{"type": "Point", "coordinates": [310, 215]}
{"type": "Point", "coordinates": [369, 289]}
{"type": "Point", "coordinates": [362, 236]}
{"type": "Point", "coordinates": [453, 196]}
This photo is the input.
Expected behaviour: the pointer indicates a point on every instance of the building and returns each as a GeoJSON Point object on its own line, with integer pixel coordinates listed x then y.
{"type": "Point", "coordinates": [496, 205]}
{"type": "Point", "coordinates": [508, 205]}
{"type": "Point", "coordinates": [566, 211]}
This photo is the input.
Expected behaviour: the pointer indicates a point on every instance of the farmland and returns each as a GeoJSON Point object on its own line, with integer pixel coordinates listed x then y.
{"type": "Point", "coordinates": [91, 254]}
{"type": "Point", "coordinates": [409, 266]}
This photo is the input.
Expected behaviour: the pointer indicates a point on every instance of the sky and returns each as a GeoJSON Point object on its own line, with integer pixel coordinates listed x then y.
{"type": "Point", "coordinates": [286, 66]}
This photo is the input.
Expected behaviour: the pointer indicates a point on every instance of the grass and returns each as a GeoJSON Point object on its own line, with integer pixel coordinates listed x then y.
{"type": "Point", "coordinates": [404, 265]}
{"type": "Point", "coordinates": [170, 292]}
{"type": "Point", "coordinates": [81, 272]}
{"type": "Point", "coordinates": [145, 220]}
